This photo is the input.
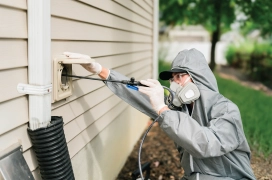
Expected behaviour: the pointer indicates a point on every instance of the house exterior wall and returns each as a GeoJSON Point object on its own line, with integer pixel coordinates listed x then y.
{"type": "Point", "coordinates": [13, 70]}
{"type": "Point", "coordinates": [100, 129]}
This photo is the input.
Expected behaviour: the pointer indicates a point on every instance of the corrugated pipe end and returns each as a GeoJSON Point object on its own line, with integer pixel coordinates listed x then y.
{"type": "Point", "coordinates": [51, 151]}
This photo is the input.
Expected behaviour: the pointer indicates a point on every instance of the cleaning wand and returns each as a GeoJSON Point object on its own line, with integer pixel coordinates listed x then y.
{"type": "Point", "coordinates": [130, 83]}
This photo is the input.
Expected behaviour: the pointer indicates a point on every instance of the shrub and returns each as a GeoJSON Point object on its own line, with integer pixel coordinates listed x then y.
{"type": "Point", "coordinates": [238, 56]}
{"type": "Point", "coordinates": [230, 55]}
{"type": "Point", "coordinates": [254, 58]}
{"type": "Point", "coordinates": [260, 65]}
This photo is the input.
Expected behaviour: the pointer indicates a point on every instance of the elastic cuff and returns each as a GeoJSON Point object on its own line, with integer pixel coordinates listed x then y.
{"type": "Point", "coordinates": [108, 75]}
{"type": "Point", "coordinates": [104, 74]}
{"type": "Point", "coordinates": [164, 108]}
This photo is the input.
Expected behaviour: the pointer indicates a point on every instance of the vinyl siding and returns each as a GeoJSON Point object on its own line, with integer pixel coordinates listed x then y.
{"type": "Point", "coordinates": [13, 52]}
{"type": "Point", "coordinates": [13, 70]}
{"type": "Point", "coordinates": [102, 157]}
{"type": "Point", "coordinates": [120, 39]}
{"type": "Point", "coordinates": [138, 7]}
{"type": "Point", "coordinates": [119, 10]}
{"type": "Point", "coordinates": [88, 13]}
{"type": "Point", "coordinates": [63, 29]}
{"type": "Point", "coordinates": [117, 34]}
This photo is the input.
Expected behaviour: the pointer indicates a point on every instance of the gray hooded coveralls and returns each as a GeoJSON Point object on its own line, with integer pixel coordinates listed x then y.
{"type": "Point", "coordinates": [211, 140]}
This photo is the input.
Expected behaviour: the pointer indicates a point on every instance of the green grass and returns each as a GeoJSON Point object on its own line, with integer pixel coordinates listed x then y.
{"type": "Point", "coordinates": [255, 108]}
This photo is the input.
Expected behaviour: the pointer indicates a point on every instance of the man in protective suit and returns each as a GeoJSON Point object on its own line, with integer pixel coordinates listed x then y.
{"type": "Point", "coordinates": [205, 126]}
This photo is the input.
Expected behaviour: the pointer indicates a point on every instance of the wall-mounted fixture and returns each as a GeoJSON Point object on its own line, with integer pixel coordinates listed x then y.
{"type": "Point", "coordinates": [62, 86]}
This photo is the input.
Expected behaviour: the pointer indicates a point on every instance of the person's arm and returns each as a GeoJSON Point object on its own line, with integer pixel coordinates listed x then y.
{"type": "Point", "coordinates": [134, 98]}
{"type": "Point", "coordinates": [222, 135]}
{"type": "Point", "coordinates": [161, 108]}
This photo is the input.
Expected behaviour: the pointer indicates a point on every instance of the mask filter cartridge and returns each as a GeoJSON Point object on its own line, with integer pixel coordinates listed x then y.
{"type": "Point", "coordinates": [184, 94]}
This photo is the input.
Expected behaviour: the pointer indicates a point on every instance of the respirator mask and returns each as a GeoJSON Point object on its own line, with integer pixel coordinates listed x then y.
{"type": "Point", "coordinates": [185, 94]}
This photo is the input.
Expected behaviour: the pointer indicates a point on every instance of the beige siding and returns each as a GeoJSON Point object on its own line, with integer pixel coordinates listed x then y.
{"type": "Point", "coordinates": [105, 155]}
{"type": "Point", "coordinates": [73, 30]}
{"type": "Point", "coordinates": [36, 174]}
{"type": "Point", "coordinates": [144, 5]}
{"type": "Point", "coordinates": [119, 35]}
{"type": "Point", "coordinates": [8, 82]}
{"type": "Point", "coordinates": [13, 53]}
{"type": "Point", "coordinates": [20, 4]}
{"type": "Point", "coordinates": [13, 23]}
{"type": "Point", "coordinates": [13, 70]}
{"type": "Point", "coordinates": [14, 113]}
{"type": "Point", "coordinates": [95, 49]}
{"type": "Point", "coordinates": [89, 14]}
{"type": "Point", "coordinates": [136, 7]}
{"type": "Point", "coordinates": [19, 134]}
{"type": "Point", "coordinates": [116, 9]}
{"type": "Point", "coordinates": [149, 2]}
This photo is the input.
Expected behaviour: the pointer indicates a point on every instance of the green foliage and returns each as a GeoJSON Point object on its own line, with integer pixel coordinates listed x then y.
{"type": "Point", "coordinates": [255, 109]}
{"type": "Point", "coordinates": [230, 54]}
{"type": "Point", "coordinates": [248, 27]}
{"type": "Point", "coordinates": [259, 15]}
{"type": "Point", "coordinates": [211, 14]}
{"type": "Point", "coordinates": [261, 63]}
{"type": "Point", "coordinates": [216, 16]}
{"type": "Point", "coordinates": [254, 58]}
{"type": "Point", "coordinates": [237, 56]}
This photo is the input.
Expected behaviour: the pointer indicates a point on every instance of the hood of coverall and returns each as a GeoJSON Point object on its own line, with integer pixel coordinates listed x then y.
{"type": "Point", "coordinates": [194, 62]}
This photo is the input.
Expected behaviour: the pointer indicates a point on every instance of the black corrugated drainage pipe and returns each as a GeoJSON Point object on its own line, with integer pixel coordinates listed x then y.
{"type": "Point", "coordinates": [51, 151]}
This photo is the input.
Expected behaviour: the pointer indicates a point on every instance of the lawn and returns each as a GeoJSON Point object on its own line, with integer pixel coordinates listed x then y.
{"type": "Point", "coordinates": [255, 108]}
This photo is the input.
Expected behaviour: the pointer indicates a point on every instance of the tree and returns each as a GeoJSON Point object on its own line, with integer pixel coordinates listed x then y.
{"type": "Point", "coordinates": [258, 14]}
{"type": "Point", "coordinates": [216, 16]}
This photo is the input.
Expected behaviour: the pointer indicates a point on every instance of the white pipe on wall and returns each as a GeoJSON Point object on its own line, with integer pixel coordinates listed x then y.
{"type": "Point", "coordinates": [39, 61]}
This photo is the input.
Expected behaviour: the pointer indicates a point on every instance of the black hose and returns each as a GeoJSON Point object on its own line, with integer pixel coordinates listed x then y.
{"type": "Point", "coordinates": [146, 132]}
{"type": "Point", "coordinates": [51, 151]}
{"type": "Point", "coordinates": [140, 148]}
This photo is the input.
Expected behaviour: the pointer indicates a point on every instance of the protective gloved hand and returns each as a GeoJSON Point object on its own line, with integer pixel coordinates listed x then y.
{"type": "Point", "coordinates": [92, 67]}
{"type": "Point", "coordinates": [155, 92]}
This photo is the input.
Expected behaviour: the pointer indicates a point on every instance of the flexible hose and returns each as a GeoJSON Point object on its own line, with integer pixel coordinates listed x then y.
{"type": "Point", "coordinates": [146, 132]}
{"type": "Point", "coordinates": [50, 147]}
{"type": "Point", "coordinates": [140, 148]}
